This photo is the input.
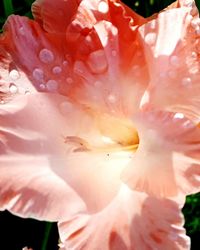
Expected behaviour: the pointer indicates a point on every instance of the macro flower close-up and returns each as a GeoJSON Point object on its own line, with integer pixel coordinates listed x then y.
{"type": "Point", "coordinates": [100, 122]}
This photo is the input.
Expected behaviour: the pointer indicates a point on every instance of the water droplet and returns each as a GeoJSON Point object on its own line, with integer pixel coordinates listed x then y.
{"type": "Point", "coordinates": [152, 24]}
{"type": "Point", "coordinates": [194, 11]}
{"type": "Point", "coordinates": [22, 31]}
{"type": "Point", "coordinates": [42, 86]}
{"type": "Point", "coordinates": [150, 38]}
{"type": "Point", "coordinates": [69, 80]}
{"type": "Point", "coordinates": [57, 70]}
{"type": "Point", "coordinates": [174, 61]}
{"type": "Point", "coordinates": [27, 92]}
{"type": "Point", "coordinates": [186, 81]}
{"type": "Point", "coordinates": [112, 98]}
{"type": "Point", "coordinates": [197, 31]}
{"type": "Point", "coordinates": [162, 74]}
{"type": "Point", "coordinates": [97, 62]}
{"type": "Point", "coordinates": [103, 7]}
{"type": "Point", "coordinates": [136, 70]}
{"type": "Point", "coordinates": [195, 23]}
{"type": "Point", "coordinates": [65, 107]}
{"type": "Point", "coordinates": [98, 84]}
{"type": "Point", "coordinates": [46, 56]}
{"type": "Point", "coordinates": [65, 63]}
{"type": "Point", "coordinates": [188, 124]}
{"type": "Point", "coordinates": [2, 102]}
{"type": "Point", "coordinates": [114, 31]}
{"type": "Point", "coordinates": [194, 55]}
{"type": "Point", "coordinates": [197, 45]}
{"type": "Point", "coordinates": [13, 88]}
{"type": "Point", "coordinates": [52, 85]}
{"type": "Point", "coordinates": [14, 75]}
{"type": "Point", "coordinates": [79, 68]}
{"type": "Point", "coordinates": [179, 116]}
{"type": "Point", "coordinates": [114, 52]}
{"type": "Point", "coordinates": [172, 74]}
{"type": "Point", "coordinates": [38, 74]}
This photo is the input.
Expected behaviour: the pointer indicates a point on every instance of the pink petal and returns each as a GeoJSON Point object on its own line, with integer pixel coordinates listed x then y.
{"type": "Point", "coordinates": [31, 148]}
{"type": "Point", "coordinates": [166, 162]}
{"type": "Point", "coordinates": [132, 221]}
{"type": "Point", "coordinates": [44, 145]}
{"type": "Point", "coordinates": [174, 65]}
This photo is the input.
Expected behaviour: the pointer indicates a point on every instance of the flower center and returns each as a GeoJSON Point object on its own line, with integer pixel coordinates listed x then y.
{"type": "Point", "coordinates": [120, 131]}
{"type": "Point", "coordinates": [117, 135]}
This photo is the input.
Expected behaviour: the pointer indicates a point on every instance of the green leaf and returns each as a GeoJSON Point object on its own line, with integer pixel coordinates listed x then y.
{"type": "Point", "coordinates": [8, 7]}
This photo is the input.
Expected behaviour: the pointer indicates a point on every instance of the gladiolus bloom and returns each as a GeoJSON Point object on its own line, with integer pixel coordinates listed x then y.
{"type": "Point", "coordinates": [99, 122]}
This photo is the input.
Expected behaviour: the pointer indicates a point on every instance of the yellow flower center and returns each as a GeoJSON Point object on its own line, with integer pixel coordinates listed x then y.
{"type": "Point", "coordinates": [120, 131]}
{"type": "Point", "coordinates": [117, 135]}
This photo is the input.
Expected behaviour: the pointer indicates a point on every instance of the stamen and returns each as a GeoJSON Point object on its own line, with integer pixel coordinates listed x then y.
{"type": "Point", "coordinates": [82, 146]}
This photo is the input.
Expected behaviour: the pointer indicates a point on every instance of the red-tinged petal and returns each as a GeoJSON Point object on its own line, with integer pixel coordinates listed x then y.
{"type": "Point", "coordinates": [31, 148]}
{"type": "Point", "coordinates": [41, 57]}
{"type": "Point", "coordinates": [172, 53]}
{"type": "Point", "coordinates": [107, 78]}
{"type": "Point", "coordinates": [167, 161]}
{"type": "Point", "coordinates": [132, 221]}
{"type": "Point", "coordinates": [94, 69]}
{"type": "Point", "coordinates": [44, 13]}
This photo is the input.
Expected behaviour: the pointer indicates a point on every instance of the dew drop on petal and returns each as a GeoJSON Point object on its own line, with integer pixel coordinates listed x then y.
{"type": "Point", "coordinates": [97, 62]}
{"type": "Point", "coordinates": [150, 38]}
{"type": "Point", "coordinates": [69, 80]}
{"type": "Point", "coordinates": [198, 45]}
{"type": "Point", "coordinates": [153, 24]}
{"type": "Point", "coordinates": [97, 83]}
{"type": "Point", "coordinates": [52, 85]}
{"type": "Point", "coordinates": [22, 31]}
{"type": "Point", "coordinates": [46, 56]}
{"type": "Point", "coordinates": [38, 74]}
{"type": "Point", "coordinates": [114, 52]}
{"type": "Point", "coordinates": [65, 107]}
{"type": "Point", "coordinates": [103, 7]}
{"type": "Point", "coordinates": [14, 75]}
{"type": "Point", "coordinates": [186, 81]}
{"type": "Point", "coordinates": [78, 68]}
{"type": "Point", "coordinates": [65, 63]}
{"type": "Point", "coordinates": [173, 236]}
{"type": "Point", "coordinates": [57, 70]}
{"type": "Point", "coordinates": [174, 61]}
{"type": "Point", "coordinates": [13, 88]}
{"type": "Point", "coordinates": [42, 86]}
{"type": "Point", "coordinates": [179, 116]}
{"type": "Point", "coordinates": [194, 55]}
{"type": "Point", "coordinates": [111, 98]}
{"type": "Point", "coordinates": [172, 74]}
{"type": "Point", "coordinates": [136, 70]}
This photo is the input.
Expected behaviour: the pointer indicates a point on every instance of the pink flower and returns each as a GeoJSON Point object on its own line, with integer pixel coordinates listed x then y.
{"type": "Point", "coordinates": [100, 122]}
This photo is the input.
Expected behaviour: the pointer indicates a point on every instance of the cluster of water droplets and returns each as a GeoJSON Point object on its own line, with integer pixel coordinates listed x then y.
{"type": "Point", "coordinates": [9, 87]}
{"type": "Point", "coordinates": [48, 75]}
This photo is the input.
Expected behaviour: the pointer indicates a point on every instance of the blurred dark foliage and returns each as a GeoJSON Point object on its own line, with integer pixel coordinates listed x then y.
{"type": "Point", "coordinates": [15, 232]}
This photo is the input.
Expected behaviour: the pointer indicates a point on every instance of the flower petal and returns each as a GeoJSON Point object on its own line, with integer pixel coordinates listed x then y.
{"type": "Point", "coordinates": [174, 65]}
{"type": "Point", "coordinates": [44, 13]}
{"type": "Point", "coordinates": [30, 146]}
{"type": "Point", "coordinates": [167, 160]}
{"type": "Point", "coordinates": [39, 56]}
{"type": "Point", "coordinates": [42, 142]}
{"type": "Point", "coordinates": [131, 221]}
